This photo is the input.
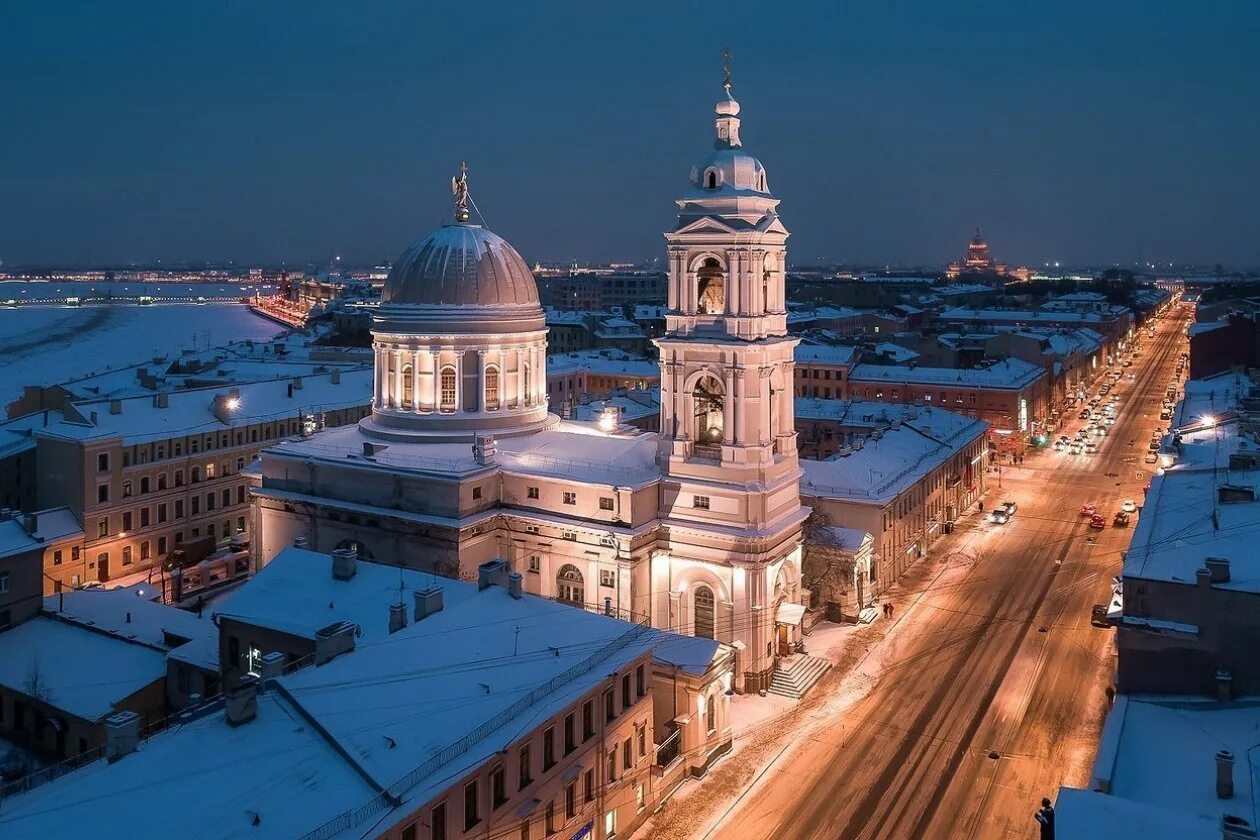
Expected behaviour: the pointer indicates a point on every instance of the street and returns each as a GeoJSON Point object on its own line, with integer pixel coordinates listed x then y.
{"type": "Point", "coordinates": [990, 691]}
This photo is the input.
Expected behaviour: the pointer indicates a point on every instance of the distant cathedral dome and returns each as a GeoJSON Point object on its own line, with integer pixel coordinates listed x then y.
{"type": "Point", "coordinates": [460, 264]}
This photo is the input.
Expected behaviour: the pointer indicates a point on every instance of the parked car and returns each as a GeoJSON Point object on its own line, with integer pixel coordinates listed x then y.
{"type": "Point", "coordinates": [999, 517]}
{"type": "Point", "coordinates": [1076, 448]}
{"type": "Point", "coordinates": [1154, 445]}
{"type": "Point", "coordinates": [1129, 506]}
{"type": "Point", "coordinates": [1098, 616]}
{"type": "Point", "coordinates": [1091, 448]}
{"type": "Point", "coordinates": [1089, 510]}
{"type": "Point", "coordinates": [1121, 519]}
{"type": "Point", "coordinates": [1151, 458]}
{"type": "Point", "coordinates": [1097, 523]}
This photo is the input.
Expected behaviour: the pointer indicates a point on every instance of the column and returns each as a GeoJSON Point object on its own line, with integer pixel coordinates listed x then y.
{"type": "Point", "coordinates": [378, 379]}
{"type": "Point", "coordinates": [674, 281]}
{"type": "Point", "coordinates": [734, 279]}
{"type": "Point", "coordinates": [398, 378]}
{"type": "Point", "coordinates": [728, 406]}
{"type": "Point", "coordinates": [482, 353]}
{"type": "Point", "coordinates": [738, 431]}
{"type": "Point", "coordinates": [667, 399]}
{"type": "Point", "coordinates": [415, 380]}
{"type": "Point", "coordinates": [459, 380]}
{"type": "Point", "coordinates": [432, 390]}
{"type": "Point", "coordinates": [520, 378]}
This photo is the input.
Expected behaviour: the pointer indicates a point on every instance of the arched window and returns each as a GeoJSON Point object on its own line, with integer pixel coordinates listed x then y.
{"type": "Point", "coordinates": [710, 715]}
{"type": "Point", "coordinates": [492, 389]}
{"type": "Point", "coordinates": [529, 394]}
{"type": "Point", "coordinates": [710, 288]}
{"type": "Point", "coordinates": [408, 387]}
{"type": "Point", "coordinates": [710, 179]}
{"type": "Point", "coordinates": [448, 389]}
{"type": "Point", "coordinates": [710, 407]}
{"type": "Point", "coordinates": [704, 613]}
{"type": "Point", "coordinates": [569, 585]}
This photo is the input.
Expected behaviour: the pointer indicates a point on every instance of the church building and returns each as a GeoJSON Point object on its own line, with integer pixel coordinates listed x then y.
{"type": "Point", "coordinates": [695, 529]}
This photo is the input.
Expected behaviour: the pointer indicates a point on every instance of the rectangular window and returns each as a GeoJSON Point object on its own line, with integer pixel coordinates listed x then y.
{"type": "Point", "coordinates": [179, 478]}
{"type": "Point", "coordinates": [476, 493]}
{"type": "Point", "coordinates": [533, 563]}
{"type": "Point", "coordinates": [550, 817]}
{"type": "Point", "coordinates": [588, 719]}
{"type": "Point", "coordinates": [612, 765]}
{"type": "Point", "coordinates": [472, 809]}
{"type": "Point", "coordinates": [161, 546]}
{"type": "Point", "coordinates": [607, 577]}
{"type": "Point", "coordinates": [126, 489]}
{"type": "Point", "coordinates": [179, 508]}
{"type": "Point", "coordinates": [626, 700]}
{"type": "Point", "coordinates": [588, 785]}
{"type": "Point", "coordinates": [57, 557]}
{"type": "Point", "coordinates": [240, 495]}
{"type": "Point", "coordinates": [570, 733]}
{"type": "Point", "coordinates": [102, 528]}
{"type": "Point", "coordinates": [570, 498]}
{"type": "Point", "coordinates": [161, 512]}
{"type": "Point", "coordinates": [126, 560]}
{"type": "Point", "coordinates": [408, 832]}
{"type": "Point", "coordinates": [700, 502]}
{"type": "Point", "coordinates": [627, 755]}
{"type": "Point", "coordinates": [4, 583]}
{"type": "Point", "coordinates": [161, 481]}
{"type": "Point", "coordinates": [605, 503]}
{"type": "Point", "coordinates": [570, 801]}
{"type": "Point", "coordinates": [525, 835]}
{"type": "Point", "coordinates": [610, 706]}
{"type": "Point", "coordinates": [102, 493]}
{"type": "Point", "coordinates": [498, 786]}
{"type": "Point", "coordinates": [438, 820]}
{"type": "Point", "coordinates": [526, 771]}
{"type": "Point", "coordinates": [640, 681]}
{"type": "Point", "coordinates": [642, 740]}
{"type": "Point", "coordinates": [144, 517]}
{"type": "Point", "coordinates": [549, 748]}
{"type": "Point", "coordinates": [126, 518]}
{"type": "Point", "coordinates": [531, 492]}
{"type": "Point", "coordinates": [196, 505]}
{"type": "Point", "coordinates": [144, 550]}
{"type": "Point", "coordinates": [209, 501]}
{"type": "Point", "coordinates": [102, 462]}
{"type": "Point", "coordinates": [226, 497]}
{"type": "Point", "coordinates": [610, 824]}
{"type": "Point", "coordinates": [144, 485]}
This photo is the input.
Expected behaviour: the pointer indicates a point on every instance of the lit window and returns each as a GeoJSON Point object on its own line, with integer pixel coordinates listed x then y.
{"type": "Point", "coordinates": [492, 389]}
{"type": "Point", "coordinates": [701, 502]}
{"type": "Point", "coordinates": [448, 389]}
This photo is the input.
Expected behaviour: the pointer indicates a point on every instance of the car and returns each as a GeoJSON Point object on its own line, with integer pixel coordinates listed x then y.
{"type": "Point", "coordinates": [1110, 421]}
{"type": "Point", "coordinates": [1010, 507]}
{"type": "Point", "coordinates": [1121, 519]}
{"type": "Point", "coordinates": [1083, 414]}
{"type": "Point", "coordinates": [1059, 446]}
{"type": "Point", "coordinates": [1089, 510]}
{"type": "Point", "coordinates": [1129, 506]}
{"type": "Point", "coordinates": [1076, 448]}
{"type": "Point", "coordinates": [1165, 415]}
{"type": "Point", "coordinates": [1091, 448]}
{"type": "Point", "coordinates": [1097, 523]}
{"type": "Point", "coordinates": [999, 517]}
{"type": "Point", "coordinates": [1095, 401]}
{"type": "Point", "coordinates": [1127, 363]}
{"type": "Point", "coordinates": [1100, 430]}
{"type": "Point", "coordinates": [1065, 438]}
{"type": "Point", "coordinates": [1154, 446]}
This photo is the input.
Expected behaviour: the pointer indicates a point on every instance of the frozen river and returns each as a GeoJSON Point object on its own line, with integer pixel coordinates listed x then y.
{"type": "Point", "coordinates": [46, 345]}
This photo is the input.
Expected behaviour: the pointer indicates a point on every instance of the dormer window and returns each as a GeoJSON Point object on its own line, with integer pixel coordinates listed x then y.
{"type": "Point", "coordinates": [711, 179]}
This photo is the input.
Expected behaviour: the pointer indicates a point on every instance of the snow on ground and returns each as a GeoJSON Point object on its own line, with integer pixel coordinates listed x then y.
{"type": "Point", "coordinates": [47, 345]}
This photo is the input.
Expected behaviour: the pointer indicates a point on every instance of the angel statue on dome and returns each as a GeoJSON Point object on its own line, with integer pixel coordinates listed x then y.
{"type": "Point", "coordinates": [459, 189]}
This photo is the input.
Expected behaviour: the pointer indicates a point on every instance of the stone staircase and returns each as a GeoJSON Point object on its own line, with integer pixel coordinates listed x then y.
{"type": "Point", "coordinates": [797, 674]}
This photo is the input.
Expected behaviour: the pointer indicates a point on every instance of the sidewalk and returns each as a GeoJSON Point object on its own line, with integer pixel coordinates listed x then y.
{"type": "Point", "coordinates": [764, 728]}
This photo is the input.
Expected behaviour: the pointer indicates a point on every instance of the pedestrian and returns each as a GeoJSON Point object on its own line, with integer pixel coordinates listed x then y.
{"type": "Point", "coordinates": [981, 503]}
{"type": "Point", "coordinates": [890, 609]}
{"type": "Point", "coordinates": [1111, 696]}
{"type": "Point", "coordinates": [1045, 819]}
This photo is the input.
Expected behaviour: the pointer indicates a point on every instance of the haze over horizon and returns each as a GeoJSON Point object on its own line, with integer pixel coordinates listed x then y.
{"type": "Point", "coordinates": [287, 131]}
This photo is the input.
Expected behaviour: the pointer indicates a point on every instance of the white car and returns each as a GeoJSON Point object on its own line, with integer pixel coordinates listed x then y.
{"type": "Point", "coordinates": [1091, 448]}
{"type": "Point", "coordinates": [1129, 506]}
{"type": "Point", "coordinates": [1075, 448]}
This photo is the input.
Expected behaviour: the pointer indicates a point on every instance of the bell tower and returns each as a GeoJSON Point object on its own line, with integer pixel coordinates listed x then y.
{"type": "Point", "coordinates": [730, 487]}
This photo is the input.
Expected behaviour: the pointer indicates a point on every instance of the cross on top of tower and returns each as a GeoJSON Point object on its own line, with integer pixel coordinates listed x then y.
{"type": "Point", "coordinates": [726, 68]}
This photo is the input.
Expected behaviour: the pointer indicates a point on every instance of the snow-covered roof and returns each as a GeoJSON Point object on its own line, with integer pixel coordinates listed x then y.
{"type": "Point", "coordinates": [817, 354]}
{"type": "Point", "coordinates": [890, 461]}
{"type": "Point", "coordinates": [1206, 326]}
{"type": "Point", "coordinates": [214, 778]}
{"type": "Point", "coordinates": [1144, 737]}
{"type": "Point", "coordinates": [1026, 316]}
{"type": "Point", "coordinates": [188, 412]}
{"type": "Point", "coordinates": [847, 539]}
{"type": "Point", "coordinates": [1008, 373]}
{"type": "Point", "coordinates": [609, 361]}
{"type": "Point", "coordinates": [632, 405]}
{"type": "Point", "coordinates": [82, 671]}
{"type": "Point", "coordinates": [895, 352]}
{"type": "Point", "coordinates": [577, 451]}
{"type": "Point", "coordinates": [129, 615]}
{"type": "Point", "coordinates": [22, 533]}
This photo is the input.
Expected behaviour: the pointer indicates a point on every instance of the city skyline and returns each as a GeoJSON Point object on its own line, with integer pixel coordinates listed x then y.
{"type": "Point", "coordinates": [330, 132]}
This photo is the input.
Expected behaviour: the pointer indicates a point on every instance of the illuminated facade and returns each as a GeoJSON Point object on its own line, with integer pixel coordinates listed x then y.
{"type": "Point", "coordinates": [696, 529]}
{"type": "Point", "coordinates": [977, 260]}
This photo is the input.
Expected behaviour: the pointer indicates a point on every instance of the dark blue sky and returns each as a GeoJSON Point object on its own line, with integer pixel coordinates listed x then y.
{"type": "Point", "coordinates": [266, 131]}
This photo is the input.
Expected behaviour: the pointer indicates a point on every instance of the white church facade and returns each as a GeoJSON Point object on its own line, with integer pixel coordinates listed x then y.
{"type": "Point", "coordinates": [695, 529]}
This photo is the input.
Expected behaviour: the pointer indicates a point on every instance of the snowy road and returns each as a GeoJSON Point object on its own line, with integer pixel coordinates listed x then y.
{"type": "Point", "coordinates": [990, 692]}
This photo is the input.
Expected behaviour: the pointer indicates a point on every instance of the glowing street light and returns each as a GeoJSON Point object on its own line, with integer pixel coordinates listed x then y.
{"type": "Point", "coordinates": [1208, 421]}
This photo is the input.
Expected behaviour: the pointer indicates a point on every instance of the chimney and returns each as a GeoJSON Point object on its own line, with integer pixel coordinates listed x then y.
{"type": "Point", "coordinates": [92, 417]}
{"type": "Point", "coordinates": [115, 406]}
{"type": "Point", "coordinates": [334, 640]}
{"type": "Point", "coordinates": [1224, 686]}
{"type": "Point", "coordinates": [122, 734]}
{"type": "Point", "coordinates": [1224, 774]}
{"type": "Point", "coordinates": [345, 562]}
{"type": "Point", "coordinates": [492, 573]}
{"type": "Point", "coordinates": [1218, 569]}
{"type": "Point", "coordinates": [297, 383]}
{"type": "Point", "coordinates": [163, 399]}
{"type": "Point", "coordinates": [272, 669]}
{"type": "Point", "coordinates": [32, 522]}
{"type": "Point", "coordinates": [241, 703]}
{"type": "Point", "coordinates": [397, 617]}
{"type": "Point", "coordinates": [1236, 828]}
{"type": "Point", "coordinates": [335, 376]}
{"type": "Point", "coordinates": [428, 601]}
{"type": "Point", "coordinates": [290, 390]}
{"type": "Point", "coordinates": [484, 450]}
{"type": "Point", "coordinates": [300, 542]}
{"type": "Point", "coordinates": [1203, 578]}
{"type": "Point", "coordinates": [514, 584]}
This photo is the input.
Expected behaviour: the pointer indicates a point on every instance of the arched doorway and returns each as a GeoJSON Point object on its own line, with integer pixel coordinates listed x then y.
{"type": "Point", "coordinates": [704, 613]}
{"type": "Point", "coordinates": [569, 586]}
{"type": "Point", "coordinates": [710, 288]}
